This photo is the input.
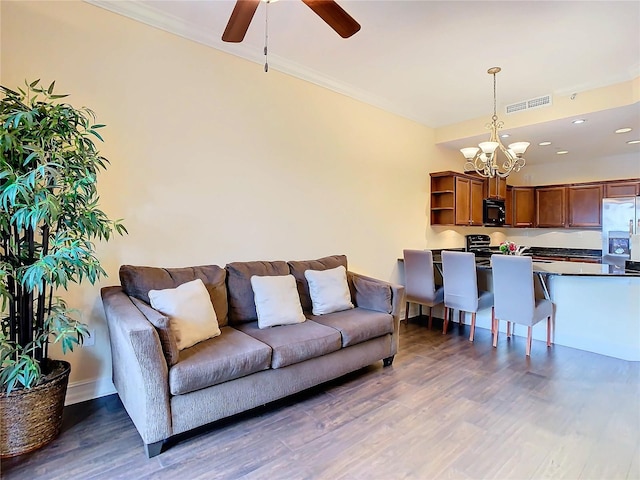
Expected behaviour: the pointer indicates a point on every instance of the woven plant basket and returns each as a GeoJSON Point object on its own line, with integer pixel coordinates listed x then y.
{"type": "Point", "coordinates": [29, 419]}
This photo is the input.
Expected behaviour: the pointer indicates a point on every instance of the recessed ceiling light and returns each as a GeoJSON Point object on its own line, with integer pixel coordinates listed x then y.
{"type": "Point", "coordinates": [580, 120]}
{"type": "Point", "coordinates": [562, 152]}
{"type": "Point", "coordinates": [633, 142]}
{"type": "Point", "coordinates": [544, 144]}
{"type": "Point", "coordinates": [505, 135]}
{"type": "Point", "coordinates": [623, 130]}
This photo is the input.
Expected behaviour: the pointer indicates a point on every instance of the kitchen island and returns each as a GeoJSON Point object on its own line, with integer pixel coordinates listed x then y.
{"type": "Point", "coordinates": [597, 306]}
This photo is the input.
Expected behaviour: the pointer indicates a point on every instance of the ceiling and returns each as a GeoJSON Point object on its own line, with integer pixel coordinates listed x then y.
{"type": "Point", "coordinates": [427, 60]}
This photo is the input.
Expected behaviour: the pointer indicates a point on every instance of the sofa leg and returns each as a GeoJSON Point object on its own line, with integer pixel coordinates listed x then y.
{"type": "Point", "coordinates": [153, 449]}
{"type": "Point", "coordinates": [388, 361]}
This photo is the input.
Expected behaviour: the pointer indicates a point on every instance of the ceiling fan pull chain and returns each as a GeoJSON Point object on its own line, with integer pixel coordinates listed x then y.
{"type": "Point", "coordinates": [266, 36]}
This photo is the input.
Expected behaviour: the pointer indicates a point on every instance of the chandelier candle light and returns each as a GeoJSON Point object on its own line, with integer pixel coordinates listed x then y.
{"type": "Point", "coordinates": [483, 159]}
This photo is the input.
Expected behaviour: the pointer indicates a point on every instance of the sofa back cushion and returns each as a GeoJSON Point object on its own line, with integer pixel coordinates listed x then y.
{"type": "Point", "coordinates": [136, 282]}
{"type": "Point", "coordinates": [242, 307]}
{"type": "Point", "coordinates": [298, 267]}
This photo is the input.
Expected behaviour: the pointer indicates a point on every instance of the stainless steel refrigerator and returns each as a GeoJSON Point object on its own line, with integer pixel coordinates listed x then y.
{"type": "Point", "coordinates": [620, 230]}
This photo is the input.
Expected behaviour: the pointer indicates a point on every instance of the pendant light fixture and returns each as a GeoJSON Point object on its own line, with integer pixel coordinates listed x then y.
{"type": "Point", "coordinates": [483, 158]}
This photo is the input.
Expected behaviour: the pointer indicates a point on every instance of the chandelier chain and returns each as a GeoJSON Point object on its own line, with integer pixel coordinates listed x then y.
{"type": "Point", "coordinates": [495, 115]}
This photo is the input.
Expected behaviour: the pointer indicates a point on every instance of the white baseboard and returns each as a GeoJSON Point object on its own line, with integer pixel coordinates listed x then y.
{"type": "Point", "coordinates": [89, 389]}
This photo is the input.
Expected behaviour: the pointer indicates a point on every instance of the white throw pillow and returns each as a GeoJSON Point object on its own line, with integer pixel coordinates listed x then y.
{"type": "Point", "coordinates": [191, 314]}
{"type": "Point", "coordinates": [329, 290]}
{"type": "Point", "coordinates": [277, 300]}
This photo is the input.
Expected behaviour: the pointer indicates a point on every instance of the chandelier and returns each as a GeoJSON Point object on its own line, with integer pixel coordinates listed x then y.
{"type": "Point", "coordinates": [483, 160]}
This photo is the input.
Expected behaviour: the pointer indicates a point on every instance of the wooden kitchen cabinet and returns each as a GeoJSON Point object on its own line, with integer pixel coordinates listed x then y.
{"type": "Point", "coordinates": [622, 189]}
{"type": "Point", "coordinates": [456, 199]}
{"type": "Point", "coordinates": [524, 206]}
{"type": "Point", "coordinates": [584, 206]}
{"type": "Point", "coordinates": [508, 207]}
{"type": "Point", "coordinates": [443, 199]}
{"type": "Point", "coordinates": [551, 206]}
{"type": "Point", "coordinates": [469, 193]}
{"type": "Point", "coordinates": [496, 188]}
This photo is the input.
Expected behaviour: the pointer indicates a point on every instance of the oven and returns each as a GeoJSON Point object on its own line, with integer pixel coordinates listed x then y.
{"type": "Point", "coordinates": [493, 212]}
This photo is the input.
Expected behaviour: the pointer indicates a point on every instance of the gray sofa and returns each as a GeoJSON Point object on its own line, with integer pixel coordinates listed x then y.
{"type": "Point", "coordinates": [167, 392]}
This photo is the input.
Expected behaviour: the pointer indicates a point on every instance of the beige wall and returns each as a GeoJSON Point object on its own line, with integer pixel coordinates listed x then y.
{"type": "Point", "coordinates": [212, 160]}
{"type": "Point", "coordinates": [604, 98]}
{"type": "Point", "coordinates": [583, 170]}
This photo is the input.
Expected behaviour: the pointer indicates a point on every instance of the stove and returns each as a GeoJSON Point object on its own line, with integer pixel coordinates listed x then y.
{"type": "Point", "coordinates": [478, 243]}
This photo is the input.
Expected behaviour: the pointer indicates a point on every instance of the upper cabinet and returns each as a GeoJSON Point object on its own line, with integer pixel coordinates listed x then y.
{"type": "Point", "coordinates": [524, 206]}
{"type": "Point", "coordinates": [496, 188]}
{"type": "Point", "coordinates": [585, 206]}
{"type": "Point", "coordinates": [621, 189]}
{"type": "Point", "coordinates": [443, 199]}
{"type": "Point", "coordinates": [469, 192]}
{"type": "Point", "coordinates": [508, 207]}
{"type": "Point", "coordinates": [551, 205]}
{"type": "Point", "coordinates": [456, 199]}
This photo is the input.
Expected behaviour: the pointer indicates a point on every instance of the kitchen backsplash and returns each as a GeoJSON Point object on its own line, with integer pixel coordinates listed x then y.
{"type": "Point", "coordinates": [454, 237]}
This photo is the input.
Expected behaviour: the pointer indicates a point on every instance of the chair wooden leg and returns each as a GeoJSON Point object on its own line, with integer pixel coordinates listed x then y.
{"type": "Point", "coordinates": [430, 317]}
{"type": "Point", "coordinates": [420, 310]}
{"type": "Point", "coordinates": [406, 314]}
{"type": "Point", "coordinates": [460, 318]}
{"type": "Point", "coordinates": [548, 331]}
{"type": "Point", "coordinates": [473, 327]}
{"type": "Point", "coordinates": [495, 324]}
{"type": "Point", "coordinates": [528, 349]}
{"type": "Point", "coordinates": [446, 320]}
{"type": "Point", "coordinates": [508, 329]}
{"type": "Point", "coordinates": [493, 318]}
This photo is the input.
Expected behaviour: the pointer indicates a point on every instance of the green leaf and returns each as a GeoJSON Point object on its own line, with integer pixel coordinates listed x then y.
{"type": "Point", "coordinates": [49, 220]}
{"type": "Point", "coordinates": [93, 132]}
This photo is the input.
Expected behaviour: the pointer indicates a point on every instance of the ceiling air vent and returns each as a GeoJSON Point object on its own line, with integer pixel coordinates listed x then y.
{"type": "Point", "coordinates": [543, 101]}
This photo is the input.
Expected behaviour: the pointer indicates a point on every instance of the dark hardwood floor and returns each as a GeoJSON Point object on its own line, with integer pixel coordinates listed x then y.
{"type": "Point", "coordinates": [445, 409]}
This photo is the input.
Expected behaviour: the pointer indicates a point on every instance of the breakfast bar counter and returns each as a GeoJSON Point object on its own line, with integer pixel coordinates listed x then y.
{"type": "Point", "coordinates": [551, 267]}
{"type": "Point", "coordinates": [597, 306]}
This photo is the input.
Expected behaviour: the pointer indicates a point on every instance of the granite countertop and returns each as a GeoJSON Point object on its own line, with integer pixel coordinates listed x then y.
{"type": "Point", "coordinates": [551, 267]}
{"type": "Point", "coordinates": [550, 252]}
{"type": "Point", "coordinates": [563, 252]}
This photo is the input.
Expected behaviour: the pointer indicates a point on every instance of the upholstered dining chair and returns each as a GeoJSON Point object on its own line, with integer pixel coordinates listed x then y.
{"type": "Point", "coordinates": [515, 297]}
{"type": "Point", "coordinates": [461, 288]}
{"type": "Point", "coordinates": [420, 284]}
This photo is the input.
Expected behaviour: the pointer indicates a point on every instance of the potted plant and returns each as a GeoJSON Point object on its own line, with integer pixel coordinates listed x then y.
{"type": "Point", "coordinates": [49, 219]}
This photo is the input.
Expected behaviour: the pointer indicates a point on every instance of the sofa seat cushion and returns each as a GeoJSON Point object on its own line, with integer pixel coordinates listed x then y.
{"type": "Point", "coordinates": [230, 355]}
{"type": "Point", "coordinates": [295, 343]}
{"type": "Point", "coordinates": [357, 325]}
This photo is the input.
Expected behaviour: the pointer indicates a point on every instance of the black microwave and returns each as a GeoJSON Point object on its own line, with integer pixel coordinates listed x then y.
{"type": "Point", "coordinates": [493, 212]}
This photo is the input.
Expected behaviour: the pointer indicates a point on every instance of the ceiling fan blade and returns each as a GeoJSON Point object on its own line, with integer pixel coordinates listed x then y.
{"type": "Point", "coordinates": [239, 21]}
{"type": "Point", "coordinates": [335, 16]}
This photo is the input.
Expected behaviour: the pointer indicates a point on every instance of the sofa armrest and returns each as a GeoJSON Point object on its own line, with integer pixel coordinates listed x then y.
{"type": "Point", "coordinates": [397, 299]}
{"type": "Point", "coordinates": [140, 371]}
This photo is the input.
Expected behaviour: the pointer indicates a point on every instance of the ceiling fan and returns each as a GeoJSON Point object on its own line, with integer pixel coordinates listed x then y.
{"type": "Point", "coordinates": [332, 13]}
